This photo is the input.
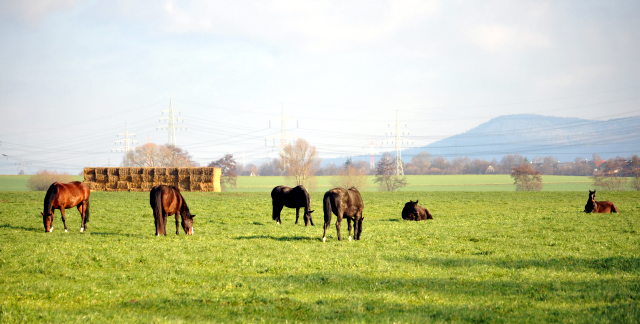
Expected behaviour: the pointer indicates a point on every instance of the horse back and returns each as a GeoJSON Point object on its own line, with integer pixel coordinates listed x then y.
{"type": "Point", "coordinates": [348, 202]}
{"type": "Point", "coordinates": [70, 194]}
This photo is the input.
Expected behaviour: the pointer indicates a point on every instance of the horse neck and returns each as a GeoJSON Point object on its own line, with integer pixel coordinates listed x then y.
{"type": "Point", "coordinates": [52, 192]}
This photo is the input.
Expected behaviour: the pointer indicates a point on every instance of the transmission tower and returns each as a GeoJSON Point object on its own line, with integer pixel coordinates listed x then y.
{"type": "Point", "coordinates": [172, 120]}
{"type": "Point", "coordinates": [284, 135]}
{"type": "Point", "coordinates": [399, 140]}
{"type": "Point", "coordinates": [372, 152]}
{"type": "Point", "coordinates": [126, 148]}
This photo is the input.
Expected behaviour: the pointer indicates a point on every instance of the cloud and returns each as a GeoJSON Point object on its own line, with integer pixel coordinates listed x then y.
{"type": "Point", "coordinates": [33, 11]}
{"type": "Point", "coordinates": [498, 38]}
{"type": "Point", "coordinates": [306, 23]}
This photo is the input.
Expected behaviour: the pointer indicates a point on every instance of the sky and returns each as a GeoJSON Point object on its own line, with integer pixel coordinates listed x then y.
{"type": "Point", "coordinates": [74, 74]}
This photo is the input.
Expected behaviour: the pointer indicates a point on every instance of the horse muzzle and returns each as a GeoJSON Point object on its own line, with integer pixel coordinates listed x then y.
{"type": "Point", "coordinates": [190, 231]}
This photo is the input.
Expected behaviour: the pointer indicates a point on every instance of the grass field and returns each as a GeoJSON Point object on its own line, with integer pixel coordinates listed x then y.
{"type": "Point", "coordinates": [467, 182]}
{"type": "Point", "coordinates": [486, 257]}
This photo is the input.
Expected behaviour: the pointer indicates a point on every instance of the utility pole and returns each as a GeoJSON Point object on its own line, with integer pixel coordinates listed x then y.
{"type": "Point", "coordinates": [398, 143]}
{"type": "Point", "coordinates": [372, 152]}
{"type": "Point", "coordinates": [172, 121]}
{"type": "Point", "coordinates": [126, 148]}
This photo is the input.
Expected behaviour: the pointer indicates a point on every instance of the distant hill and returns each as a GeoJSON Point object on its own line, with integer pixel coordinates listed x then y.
{"type": "Point", "coordinates": [536, 136]}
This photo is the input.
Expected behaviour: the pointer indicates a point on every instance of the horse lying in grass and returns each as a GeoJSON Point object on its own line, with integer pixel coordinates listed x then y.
{"type": "Point", "coordinates": [413, 211]}
{"type": "Point", "coordinates": [166, 201]}
{"type": "Point", "coordinates": [343, 203]}
{"type": "Point", "coordinates": [298, 197]}
{"type": "Point", "coordinates": [66, 195]}
{"type": "Point", "coordinates": [594, 206]}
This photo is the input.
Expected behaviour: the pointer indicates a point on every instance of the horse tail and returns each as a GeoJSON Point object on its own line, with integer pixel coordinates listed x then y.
{"type": "Point", "coordinates": [52, 192]}
{"type": "Point", "coordinates": [86, 213]}
{"type": "Point", "coordinates": [156, 202]}
{"type": "Point", "coordinates": [326, 204]}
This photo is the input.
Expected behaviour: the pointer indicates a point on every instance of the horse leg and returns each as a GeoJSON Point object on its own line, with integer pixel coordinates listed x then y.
{"type": "Point", "coordinates": [82, 208]}
{"type": "Point", "coordinates": [177, 228]}
{"type": "Point", "coordinates": [164, 223]}
{"type": "Point", "coordinates": [327, 222]}
{"type": "Point", "coordinates": [277, 209]}
{"type": "Point", "coordinates": [64, 221]}
{"type": "Point", "coordinates": [158, 219]}
{"type": "Point", "coordinates": [297, 214]}
{"type": "Point", "coordinates": [349, 226]}
{"type": "Point", "coordinates": [338, 223]}
{"type": "Point", "coordinates": [358, 227]}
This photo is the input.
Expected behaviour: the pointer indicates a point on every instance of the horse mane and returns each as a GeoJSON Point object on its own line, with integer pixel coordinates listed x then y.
{"type": "Point", "coordinates": [52, 192]}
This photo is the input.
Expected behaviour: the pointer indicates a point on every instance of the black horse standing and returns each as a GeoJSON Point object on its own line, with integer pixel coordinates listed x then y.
{"type": "Point", "coordinates": [343, 203]}
{"type": "Point", "coordinates": [297, 198]}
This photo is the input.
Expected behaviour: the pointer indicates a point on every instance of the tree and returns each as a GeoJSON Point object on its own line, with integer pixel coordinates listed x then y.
{"type": "Point", "coordinates": [300, 161]}
{"type": "Point", "coordinates": [227, 166]}
{"type": "Point", "coordinates": [385, 174]}
{"type": "Point", "coordinates": [43, 179]}
{"type": "Point", "coordinates": [526, 178]}
{"type": "Point", "coordinates": [510, 161]}
{"type": "Point", "coordinates": [635, 172]}
{"type": "Point", "coordinates": [271, 168]}
{"type": "Point", "coordinates": [152, 155]}
{"type": "Point", "coordinates": [351, 176]}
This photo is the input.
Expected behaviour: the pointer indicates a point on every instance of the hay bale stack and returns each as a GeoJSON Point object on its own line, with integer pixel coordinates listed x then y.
{"type": "Point", "coordinates": [143, 179]}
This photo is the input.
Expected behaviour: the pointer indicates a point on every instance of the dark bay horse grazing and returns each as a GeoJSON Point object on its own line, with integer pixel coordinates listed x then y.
{"type": "Point", "coordinates": [415, 212]}
{"type": "Point", "coordinates": [343, 203]}
{"type": "Point", "coordinates": [66, 195]}
{"type": "Point", "coordinates": [594, 206]}
{"type": "Point", "coordinates": [298, 197]}
{"type": "Point", "coordinates": [166, 201]}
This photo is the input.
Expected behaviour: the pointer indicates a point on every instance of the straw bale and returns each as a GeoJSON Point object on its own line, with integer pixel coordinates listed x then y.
{"type": "Point", "coordinates": [197, 171]}
{"type": "Point", "coordinates": [208, 171]}
{"type": "Point", "coordinates": [136, 178]}
{"type": "Point", "coordinates": [113, 178]}
{"type": "Point", "coordinates": [101, 171]}
{"type": "Point", "coordinates": [148, 172]}
{"type": "Point", "coordinates": [101, 178]}
{"type": "Point", "coordinates": [207, 178]}
{"type": "Point", "coordinates": [113, 171]}
{"type": "Point", "coordinates": [173, 178]}
{"type": "Point", "coordinates": [146, 186]}
{"type": "Point", "coordinates": [136, 171]}
{"type": "Point", "coordinates": [135, 185]}
{"type": "Point", "coordinates": [184, 172]}
{"type": "Point", "coordinates": [172, 171]}
{"type": "Point", "coordinates": [195, 178]}
{"type": "Point", "coordinates": [159, 171]}
{"type": "Point", "coordinates": [89, 174]}
{"type": "Point", "coordinates": [161, 179]}
{"type": "Point", "coordinates": [123, 185]}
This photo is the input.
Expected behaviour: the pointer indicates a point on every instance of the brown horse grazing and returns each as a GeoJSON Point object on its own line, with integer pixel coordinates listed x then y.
{"type": "Point", "coordinates": [283, 196]}
{"type": "Point", "coordinates": [66, 195]}
{"type": "Point", "coordinates": [415, 212]}
{"type": "Point", "coordinates": [166, 201]}
{"type": "Point", "coordinates": [594, 206]}
{"type": "Point", "coordinates": [343, 203]}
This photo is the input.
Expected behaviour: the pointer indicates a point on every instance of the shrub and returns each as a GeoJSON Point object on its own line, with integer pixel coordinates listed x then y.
{"type": "Point", "coordinates": [609, 183]}
{"type": "Point", "coordinates": [526, 178]}
{"type": "Point", "coordinates": [44, 178]}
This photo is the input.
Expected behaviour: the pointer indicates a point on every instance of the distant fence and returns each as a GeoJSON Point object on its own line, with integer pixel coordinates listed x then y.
{"type": "Point", "coordinates": [143, 179]}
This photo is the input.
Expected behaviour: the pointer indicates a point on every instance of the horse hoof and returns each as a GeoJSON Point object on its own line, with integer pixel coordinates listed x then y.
{"type": "Point", "coordinates": [324, 239]}
{"type": "Point", "coordinates": [81, 230]}
{"type": "Point", "coordinates": [349, 238]}
{"type": "Point", "coordinates": [67, 231]}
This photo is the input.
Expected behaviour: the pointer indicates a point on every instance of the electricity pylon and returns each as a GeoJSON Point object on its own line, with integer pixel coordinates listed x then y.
{"type": "Point", "coordinates": [399, 140]}
{"type": "Point", "coordinates": [171, 120]}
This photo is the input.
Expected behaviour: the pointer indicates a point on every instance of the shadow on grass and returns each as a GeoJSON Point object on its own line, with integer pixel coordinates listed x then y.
{"type": "Point", "coordinates": [284, 238]}
{"type": "Point", "coordinates": [22, 228]}
{"type": "Point", "coordinates": [117, 234]}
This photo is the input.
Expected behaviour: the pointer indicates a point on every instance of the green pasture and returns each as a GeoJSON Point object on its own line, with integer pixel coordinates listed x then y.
{"type": "Point", "coordinates": [498, 257]}
{"type": "Point", "coordinates": [467, 182]}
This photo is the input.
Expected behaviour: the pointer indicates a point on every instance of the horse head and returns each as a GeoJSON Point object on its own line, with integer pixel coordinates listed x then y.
{"type": "Point", "coordinates": [592, 195]}
{"type": "Point", "coordinates": [187, 221]}
{"type": "Point", "coordinates": [47, 220]}
{"type": "Point", "coordinates": [414, 214]}
{"type": "Point", "coordinates": [307, 217]}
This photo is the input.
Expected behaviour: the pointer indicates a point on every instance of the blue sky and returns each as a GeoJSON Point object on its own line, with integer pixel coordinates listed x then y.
{"type": "Point", "coordinates": [72, 73]}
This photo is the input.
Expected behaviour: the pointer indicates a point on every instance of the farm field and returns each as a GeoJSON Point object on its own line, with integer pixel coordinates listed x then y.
{"type": "Point", "coordinates": [486, 257]}
{"type": "Point", "coordinates": [467, 182]}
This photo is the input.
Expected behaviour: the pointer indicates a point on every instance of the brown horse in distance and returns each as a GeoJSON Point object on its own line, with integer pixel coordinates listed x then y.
{"type": "Point", "coordinates": [66, 195]}
{"type": "Point", "coordinates": [594, 206]}
{"type": "Point", "coordinates": [166, 201]}
{"type": "Point", "coordinates": [415, 212]}
{"type": "Point", "coordinates": [343, 203]}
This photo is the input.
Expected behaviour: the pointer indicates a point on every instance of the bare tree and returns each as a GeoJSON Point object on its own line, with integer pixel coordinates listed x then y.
{"type": "Point", "coordinates": [352, 175]}
{"type": "Point", "coordinates": [271, 168]}
{"type": "Point", "coordinates": [635, 172]}
{"type": "Point", "coordinates": [152, 155]}
{"type": "Point", "coordinates": [526, 178]}
{"type": "Point", "coordinates": [385, 174]}
{"type": "Point", "coordinates": [509, 161]}
{"type": "Point", "coordinates": [300, 161]}
{"type": "Point", "coordinates": [227, 165]}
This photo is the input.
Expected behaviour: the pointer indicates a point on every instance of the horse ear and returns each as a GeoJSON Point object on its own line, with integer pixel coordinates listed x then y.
{"type": "Point", "coordinates": [416, 201]}
{"type": "Point", "coordinates": [42, 214]}
{"type": "Point", "coordinates": [192, 216]}
{"type": "Point", "coordinates": [311, 211]}
{"type": "Point", "coordinates": [410, 200]}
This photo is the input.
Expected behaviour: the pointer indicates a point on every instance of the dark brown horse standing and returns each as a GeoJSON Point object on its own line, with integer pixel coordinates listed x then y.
{"type": "Point", "coordinates": [166, 201]}
{"type": "Point", "coordinates": [594, 206]}
{"type": "Point", "coordinates": [343, 203]}
{"type": "Point", "coordinates": [415, 212]}
{"type": "Point", "coordinates": [298, 197]}
{"type": "Point", "coordinates": [66, 195]}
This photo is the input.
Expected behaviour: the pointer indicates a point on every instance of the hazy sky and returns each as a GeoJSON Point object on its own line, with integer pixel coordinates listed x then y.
{"type": "Point", "coordinates": [72, 72]}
